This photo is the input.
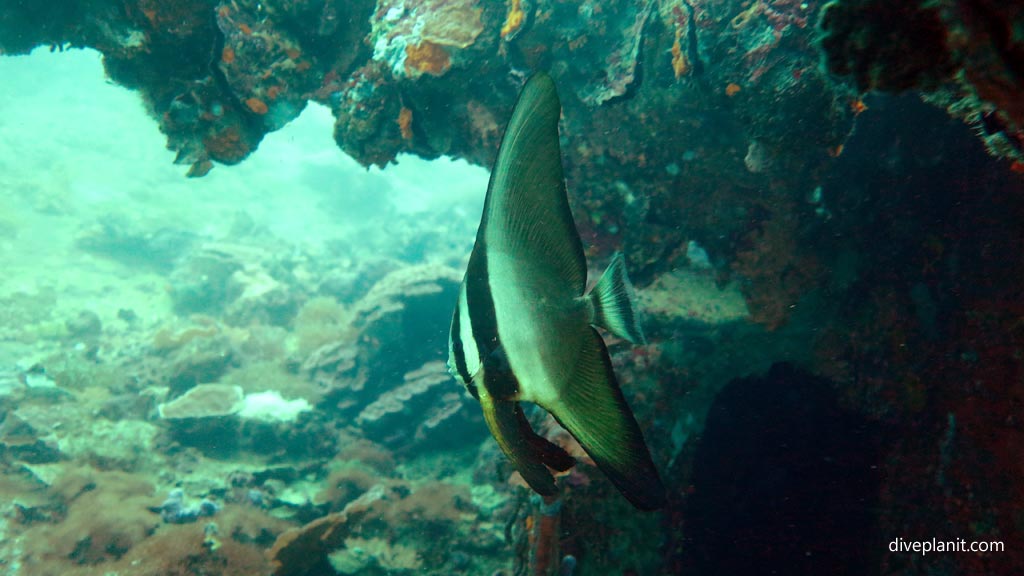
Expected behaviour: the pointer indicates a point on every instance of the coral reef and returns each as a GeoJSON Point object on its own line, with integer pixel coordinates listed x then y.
{"type": "Point", "coordinates": [193, 549]}
{"type": "Point", "coordinates": [304, 550]}
{"type": "Point", "coordinates": [389, 333]}
{"type": "Point", "coordinates": [218, 75]}
{"type": "Point", "coordinates": [421, 37]}
{"type": "Point", "coordinates": [963, 53]}
{"type": "Point", "coordinates": [700, 137]}
{"type": "Point", "coordinates": [104, 514]}
{"type": "Point", "coordinates": [204, 401]}
{"type": "Point", "coordinates": [244, 420]}
{"type": "Point", "coordinates": [376, 555]}
{"type": "Point", "coordinates": [391, 411]}
{"type": "Point", "coordinates": [175, 511]}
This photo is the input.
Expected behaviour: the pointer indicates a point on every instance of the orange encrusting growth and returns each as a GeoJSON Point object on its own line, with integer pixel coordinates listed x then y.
{"type": "Point", "coordinates": [427, 57]}
{"type": "Point", "coordinates": [513, 20]}
{"type": "Point", "coordinates": [680, 64]}
{"type": "Point", "coordinates": [227, 145]}
{"type": "Point", "coordinates": [257, 106]}
{"type": "Point", "coordinates": [731, 89]}
{"type": "Point", "coordinates": [405, 123]}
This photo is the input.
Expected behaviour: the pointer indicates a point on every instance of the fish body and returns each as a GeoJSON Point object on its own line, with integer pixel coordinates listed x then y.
{"type": "Point", "coordinates": [524, 324]}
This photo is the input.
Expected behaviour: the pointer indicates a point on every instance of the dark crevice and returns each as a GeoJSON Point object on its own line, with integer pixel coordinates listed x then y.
{"type": "Point", "coordinates": [692, 46]}
{"type": "Point", "coordinates": [785, 481]}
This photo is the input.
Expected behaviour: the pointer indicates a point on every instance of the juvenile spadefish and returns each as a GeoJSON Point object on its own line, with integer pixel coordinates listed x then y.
{"type": "Point", "coordinates": [523, 328]}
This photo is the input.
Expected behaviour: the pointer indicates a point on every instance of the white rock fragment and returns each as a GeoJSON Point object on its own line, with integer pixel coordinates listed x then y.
{"type": "Point", "coordinates": [270, 406]}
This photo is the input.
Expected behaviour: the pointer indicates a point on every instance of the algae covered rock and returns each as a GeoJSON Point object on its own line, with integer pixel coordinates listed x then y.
{"type": "Point", "coordinates": [891, 46]}
{"type": "Point", "coordinates": [204, 401]}
{"type": "Point", "coordinates": [374, 555]}
{"type": "Point", "coordinates": [204, 418]}
{"type": "Point", "coordinates": [220, 420]}
{"type": "Point", "coordinates": [393, 332]}
{"type": "Point", "coordinates": [107, 514]}
{"type": "Point", "coordinates": [694, 296]}
{"type": "Point", "coordinates": [425, 409]}
{"type": "Point", "coordinates": [398, 319]}
{"type": "Point", "coordinates": [119, 238]}
{"type": "Point", "coordinates": [115, 445]}
{"type": "Point", "coordinates": [22, 441]}
{"type": "Point", "coordinates": [195, 355]}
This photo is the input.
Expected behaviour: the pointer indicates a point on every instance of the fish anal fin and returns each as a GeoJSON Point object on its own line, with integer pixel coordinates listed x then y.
{"type": "Point", "coordinates": [504, 419]}
{"type": "Point", "coordinates": [551, 454]}
{"type": "Point", "coordinates": [613, 303]}
{"type": "Point", "coordinates": [594, 411]}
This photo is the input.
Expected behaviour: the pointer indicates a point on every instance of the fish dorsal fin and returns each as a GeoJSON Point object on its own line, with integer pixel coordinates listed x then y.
{"type": "Point", "coordinates": [594, 411]}
{"type": "Point", "coordinates": [527, 213]}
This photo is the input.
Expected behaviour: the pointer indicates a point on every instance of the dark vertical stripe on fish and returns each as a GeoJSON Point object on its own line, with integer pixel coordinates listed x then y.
{"type": "Point", "coordinates": [501, 383]}
{"type": "Point", "coordinates": [457, 348]}
{"type": "Point", "coordinates": [484, 327]}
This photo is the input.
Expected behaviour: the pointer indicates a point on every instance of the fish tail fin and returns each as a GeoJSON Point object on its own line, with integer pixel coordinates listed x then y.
{"type": "Point", "coordinates": [594, 411]}
{"type": "Point", "coordinates": [612, 303]}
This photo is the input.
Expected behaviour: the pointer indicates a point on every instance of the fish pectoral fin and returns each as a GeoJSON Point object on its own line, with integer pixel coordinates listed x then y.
{"type": "Point", "coordinates": [613, 303]}
{"type": "Point", "coordinates": [505, 419]}
{"type": "Point", "coordinates": [592, 408]}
